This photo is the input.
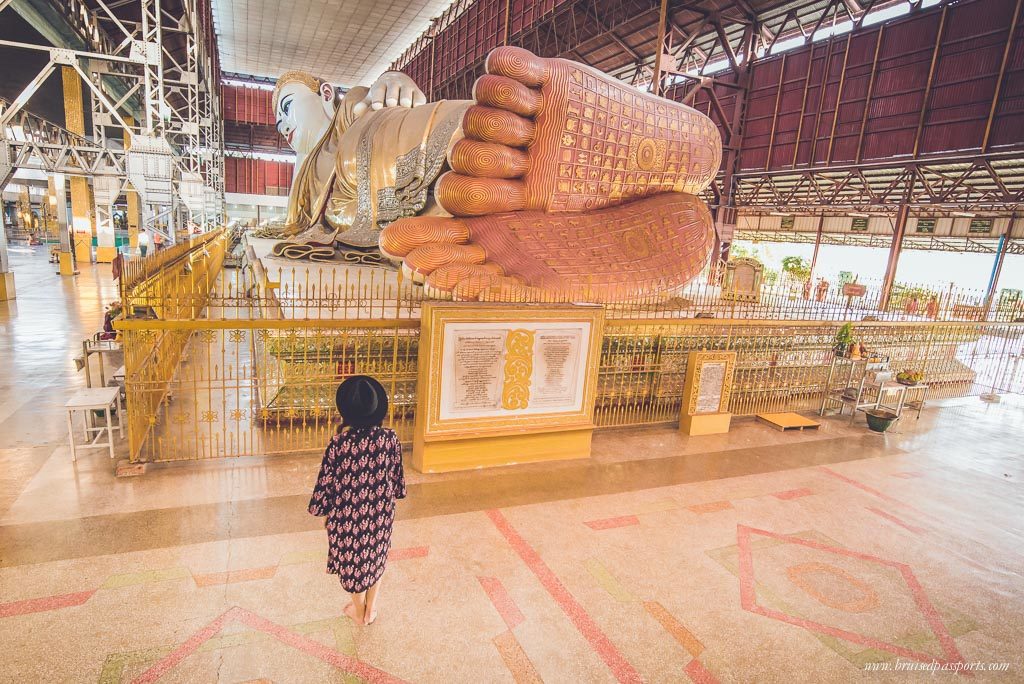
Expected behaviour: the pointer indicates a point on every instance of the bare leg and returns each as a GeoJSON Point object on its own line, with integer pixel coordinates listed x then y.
{"type": "Point", "coordinates": [356, 609]}
{"type": "Point", "coordinates": [370, 613]}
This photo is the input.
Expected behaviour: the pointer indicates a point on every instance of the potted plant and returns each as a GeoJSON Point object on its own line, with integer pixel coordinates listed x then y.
{"type": "Point", "coordinates": [880, 420]}
{"type": "Point", "coordinates": [844, 340]}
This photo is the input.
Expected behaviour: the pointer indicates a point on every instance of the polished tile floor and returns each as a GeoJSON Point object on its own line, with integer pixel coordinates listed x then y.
{"type": "Point", "coordinates": [753, 556]}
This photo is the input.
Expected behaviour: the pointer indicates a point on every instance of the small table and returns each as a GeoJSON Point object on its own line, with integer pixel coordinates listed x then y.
{"type": "Point", "coordinates": [94, 345]}
{"type": "Point", "coordinates": [916, 403]}
{"type": "Point", "coordinates": [89, 400]}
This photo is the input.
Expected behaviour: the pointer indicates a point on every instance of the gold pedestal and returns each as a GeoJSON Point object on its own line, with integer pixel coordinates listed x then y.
{"type": "Point", "coordinates": [67, 264]}
{"type": "Point", "coordinates": [705, 423]}
{"type": "Point", "coordinates": [105, 255]}
{"type": "Point", "coordinates": [6, 286]}
{"type": "Point", "coordinates": [486, 452]}
{"type": "Point", "coordinates": [83, 247]}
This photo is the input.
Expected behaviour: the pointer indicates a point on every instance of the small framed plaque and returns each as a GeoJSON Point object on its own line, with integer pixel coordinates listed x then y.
{"type": "Point", "coordinates": [706, 394]}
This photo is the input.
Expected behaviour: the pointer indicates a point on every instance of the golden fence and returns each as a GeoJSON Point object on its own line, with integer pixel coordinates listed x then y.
{"type": "Point", "coordinates": [242, 362]}
{"type": "Point", "coordinates": [174, 282]}
{"type": "Point", "coordinates": [156, 352]}
{"type": "Point", "coordinates": [217, 388]}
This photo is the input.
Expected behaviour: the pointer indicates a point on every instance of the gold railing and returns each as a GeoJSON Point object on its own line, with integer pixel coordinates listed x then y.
{"type": "Point", "coordinates": [165, 278]}
{"type": "Point", "coordinates": [153, 351]}
{"type": "Point", "coordinates": [784, 365]}
{"type": "Point", "coordinates": [246, 363]}
{"type": "Point", "coordinates": [250, 386]}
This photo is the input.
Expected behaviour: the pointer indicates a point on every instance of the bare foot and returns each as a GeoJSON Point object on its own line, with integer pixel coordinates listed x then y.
{"type": "Point", "coordinates": [368, 620]}
{"type": "Point", "coordinates": [350, 610]}
{"type": "Point", "coordinates": [552, 152]}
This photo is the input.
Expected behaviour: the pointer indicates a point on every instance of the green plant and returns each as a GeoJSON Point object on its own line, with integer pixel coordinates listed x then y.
{"type": "Point", "coordinates": [737, 250]}
{"type": "Point", "coordinates": [796, 268]}
{"type": "Point", "coordinates": [844, 337]}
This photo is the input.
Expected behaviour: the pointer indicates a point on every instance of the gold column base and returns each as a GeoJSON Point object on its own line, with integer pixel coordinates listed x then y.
{"type": "Point", "coordinates": [66, 264]}
{"type": "Point", "coordinates": [705, 423]}
{"type": "Point", "coordinates": [104, 254]}
{"type": "Point", "coordinates": [488, 452]}
{"type": "Point", "coordinates": [6, 287]}
{"type": "Point", "coordinates": [83, 247]}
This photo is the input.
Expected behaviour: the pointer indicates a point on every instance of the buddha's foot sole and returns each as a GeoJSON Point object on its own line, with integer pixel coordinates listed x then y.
{"type": "Point", "coordinates": [557, 136]}
{"type": "Point", "coordinates": [620, 253]}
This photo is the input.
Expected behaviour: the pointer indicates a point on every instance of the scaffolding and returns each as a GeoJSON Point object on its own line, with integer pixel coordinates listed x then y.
{"type": "Point", "coordinates": [151, 73]}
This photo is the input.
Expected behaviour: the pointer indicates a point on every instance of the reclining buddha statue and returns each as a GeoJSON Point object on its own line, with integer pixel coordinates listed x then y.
{"type": "Point", "coordinates": [556, 182]}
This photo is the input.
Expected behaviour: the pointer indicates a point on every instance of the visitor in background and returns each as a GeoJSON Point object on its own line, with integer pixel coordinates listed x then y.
{"type": "Point", "coordinates": [143, 242]}
{"type": "Point", "coordinates": [360, 478]}
{"type": "Point", "coordinates": [117, 265]}
{"type": "Point", "coordinates": [821, 290]}
{"type": "Point", "coordinates": [158, 241]}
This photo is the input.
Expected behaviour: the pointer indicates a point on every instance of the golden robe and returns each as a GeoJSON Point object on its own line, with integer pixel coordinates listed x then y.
{"type": "Point", "coordinates": [367, 172]}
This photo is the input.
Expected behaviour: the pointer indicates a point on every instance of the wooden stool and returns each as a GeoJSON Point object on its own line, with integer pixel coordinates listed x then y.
{"type": "Point", "coordinates": [95, 399]}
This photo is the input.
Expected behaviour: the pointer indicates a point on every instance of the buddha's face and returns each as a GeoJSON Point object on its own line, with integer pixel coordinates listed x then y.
{"type": "Point", "coordinates": [303, 115]}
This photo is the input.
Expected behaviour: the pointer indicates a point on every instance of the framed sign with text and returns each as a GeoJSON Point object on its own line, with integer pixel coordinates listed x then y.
{"type": "Point", "coordinates": [706, 393]}
{"type": "Point", "coordinates": [500, 373]}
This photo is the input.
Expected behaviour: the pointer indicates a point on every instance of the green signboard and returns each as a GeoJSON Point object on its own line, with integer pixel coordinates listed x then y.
{"type": "Point", "coordinates": [925, 225]}
{"type": "Point", "coordinates": [787, 222]}
{"type": "Point", "coordinates": [980, 226]}
{"type": "Point", "coordinates": [860, 224]}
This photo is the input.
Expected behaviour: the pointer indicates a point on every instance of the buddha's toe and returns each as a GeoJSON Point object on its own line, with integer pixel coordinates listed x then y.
{"type": "Point", "coordinates": [488, 160]}
{"type": "Point", "coordinates": [507, 93]}
{"type": "Point", "coordinates": [469, 288]}
{"type": "Point", "coordinates": [490, 124]}
{"type": "Point", "coordinates": [442, 281]}
{"type": "Point", "coordinates": [423, 261]}
{"type": "Point", "coordinates": [462, 195]}
{"type": "Point", "coordinates": [519, 64]}
{"type": "Point", "coordinates": [404, 235]}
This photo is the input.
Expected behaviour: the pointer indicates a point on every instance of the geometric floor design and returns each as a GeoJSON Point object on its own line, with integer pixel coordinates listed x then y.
{"type": "Point", "coordinates": [833, 556]}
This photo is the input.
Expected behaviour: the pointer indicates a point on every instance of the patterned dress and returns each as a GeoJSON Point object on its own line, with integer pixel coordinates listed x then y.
{"type": "Point", "coordinates": [360, 478]}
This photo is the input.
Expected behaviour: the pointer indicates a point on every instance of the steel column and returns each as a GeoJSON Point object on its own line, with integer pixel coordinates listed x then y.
{"type": "Point", "coordinates": [66, 255]}
{"type": "Point", "coordinates": [817, 245]}
{"type": "Point", "coordinates": [997, 267]}
{"type": "Point", "coordinates": [899, 230]}
{"type": "Point", "coordinates": [660, 54]}
{"type": "Point", "coordinates": [74, 118]}
{"type": "Point", "coordinates": [5, 265]}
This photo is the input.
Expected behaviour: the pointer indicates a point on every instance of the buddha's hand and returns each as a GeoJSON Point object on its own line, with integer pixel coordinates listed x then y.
{"type": "Point", "coordinates": [392, 89]}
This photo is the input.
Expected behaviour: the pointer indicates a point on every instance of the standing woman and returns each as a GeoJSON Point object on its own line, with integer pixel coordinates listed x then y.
{"type": "Point", "coordinates": [360, 478]}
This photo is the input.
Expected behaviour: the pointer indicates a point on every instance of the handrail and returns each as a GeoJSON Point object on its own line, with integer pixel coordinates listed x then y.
{"type": "Point", "coordinates": [135, 272]}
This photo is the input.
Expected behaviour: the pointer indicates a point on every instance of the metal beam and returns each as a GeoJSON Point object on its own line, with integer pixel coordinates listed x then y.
{"type": "Point", "coordinates": [892, 263]}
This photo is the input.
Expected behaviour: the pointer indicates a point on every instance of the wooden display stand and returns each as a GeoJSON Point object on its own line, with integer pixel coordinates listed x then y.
{"type": "Point", "coordinates": [706, 393]}
{"type": "Point", "coordinates": [500, 385]}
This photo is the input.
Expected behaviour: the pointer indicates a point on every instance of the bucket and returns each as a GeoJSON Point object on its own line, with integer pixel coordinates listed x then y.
{"type": "Point", "coordinates": [879, 420]}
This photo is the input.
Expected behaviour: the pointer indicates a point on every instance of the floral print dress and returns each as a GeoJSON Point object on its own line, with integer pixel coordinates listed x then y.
{"type": "Point", "coordinates": [360, 478]}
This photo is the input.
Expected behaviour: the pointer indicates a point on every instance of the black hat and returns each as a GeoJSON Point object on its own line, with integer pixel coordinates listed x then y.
{"type": "Point", "coordinates": [362, 401]}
